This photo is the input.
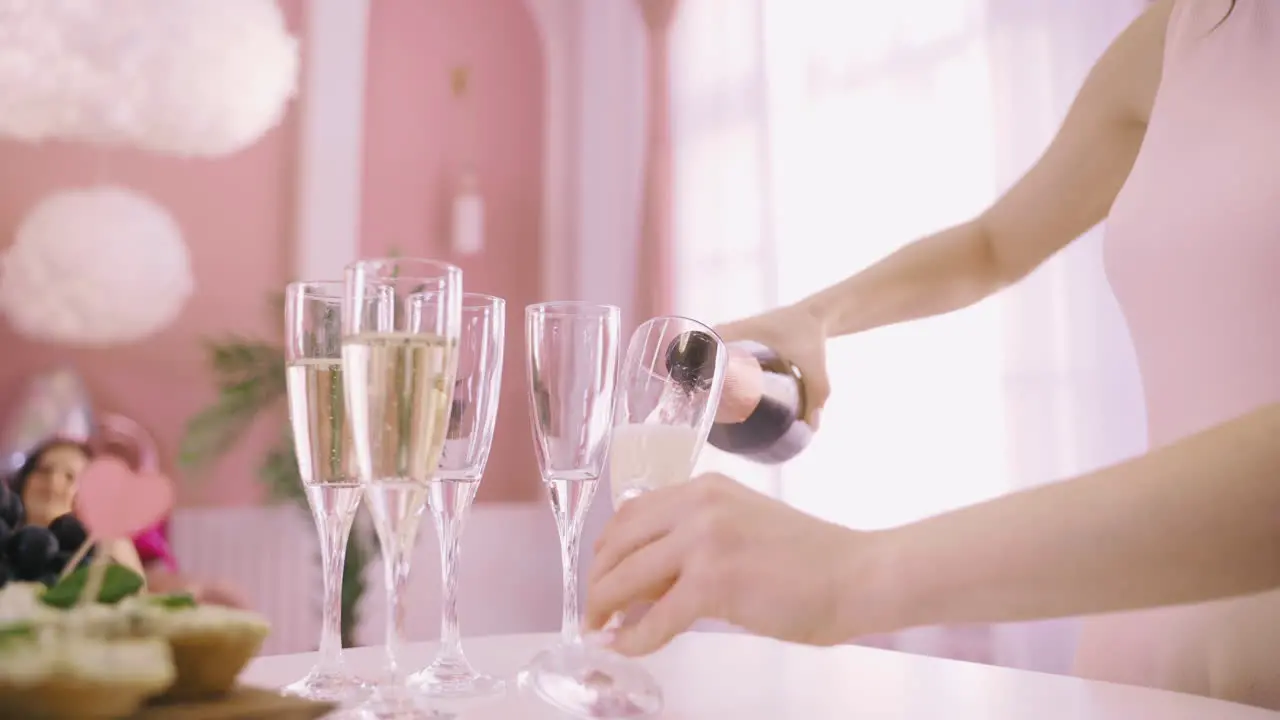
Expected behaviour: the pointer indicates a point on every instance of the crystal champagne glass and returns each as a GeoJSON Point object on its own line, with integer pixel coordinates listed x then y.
{"type": "Point", "coordinates": [669, 387]}
{"type": "Point", "coordinates": [326, 463]}
{"type": "Point", "coordinates": [400, 368]}
{"type": "Point", "coordinates": [572, 360]}
{"type": "Point", "coordinates": [466, 451]}
{"type": "Point", "coordinates": [668, 390]}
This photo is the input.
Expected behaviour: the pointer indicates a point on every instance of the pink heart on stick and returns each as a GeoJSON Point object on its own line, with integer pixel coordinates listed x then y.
{"type": "Point", "coordinates": [115, 503]}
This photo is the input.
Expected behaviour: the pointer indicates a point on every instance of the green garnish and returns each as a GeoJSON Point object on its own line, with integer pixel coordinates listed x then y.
{"type": "Point", "coordinates": [173, 601]}
{"type": "Point", "coordinates": [15, 632]}
{"type": "Point", "coordinates": [119, 583]}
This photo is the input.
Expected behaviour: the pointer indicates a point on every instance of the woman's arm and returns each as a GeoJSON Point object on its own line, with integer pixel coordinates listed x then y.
{"type": "Point", "coordinates": [1195, 521]}
{"type": "Point", "coordinates": [1069, 190]}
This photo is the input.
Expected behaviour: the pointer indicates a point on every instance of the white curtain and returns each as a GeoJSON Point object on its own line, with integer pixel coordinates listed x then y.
{"type": "Point", "coordinates": [814, 137]}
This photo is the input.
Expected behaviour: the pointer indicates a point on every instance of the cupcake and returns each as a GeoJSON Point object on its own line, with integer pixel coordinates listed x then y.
{"type": "Point", "coordinates": [210, 645]}
{"type": "Point", "coordinates": [203, 649]}
{"type": "Point", "coordinates": [56, 670]}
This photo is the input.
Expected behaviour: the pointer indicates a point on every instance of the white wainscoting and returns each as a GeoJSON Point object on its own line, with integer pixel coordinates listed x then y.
{"type": "Point", "coordinates": [509, 578]}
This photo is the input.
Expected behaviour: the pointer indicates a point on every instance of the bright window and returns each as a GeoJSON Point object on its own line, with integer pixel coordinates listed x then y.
{"type": "Point", "coordinates": [814, 137]}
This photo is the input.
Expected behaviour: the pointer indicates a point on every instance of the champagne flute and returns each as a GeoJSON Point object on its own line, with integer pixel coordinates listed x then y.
{"type": "Point", "coordinates": [400, 369]}
{"type": "Point", "coordinates": [669, 387]}
{"type": "Point", "coordinates": [322, 444]}
{"type": "Point", "coordinates": [466, 451]}
{"type": "Point", "coordinates": [668, 392]}
{"type": "Point", "coordinates": [572, 360]}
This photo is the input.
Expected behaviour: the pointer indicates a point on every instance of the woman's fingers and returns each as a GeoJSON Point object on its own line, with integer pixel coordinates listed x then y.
{"type": "Point", "coordinates": [671, 615]}
{"type": "Point", "coordinates": [639, 577]}
{"type": "Point", "coordinates": [639, 522]}
{"type": "Point", "coordinates": [645, 550]}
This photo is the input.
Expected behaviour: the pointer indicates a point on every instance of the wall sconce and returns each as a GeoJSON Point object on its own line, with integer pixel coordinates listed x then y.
{"type": "Point", "coordinates": [468, 205]}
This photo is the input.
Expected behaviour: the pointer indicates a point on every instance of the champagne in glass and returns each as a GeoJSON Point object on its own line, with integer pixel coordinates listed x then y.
{"type": "Point", "coordinates": [401, 408]}
{"type": "Point", "coordinates": [322, 444]}
{"type": "Point", "coordinates": [648, 456]}
{"type": "Point", "coordinates": [399, 368]}
{"type": "Point", "coordinates": [468, 439]}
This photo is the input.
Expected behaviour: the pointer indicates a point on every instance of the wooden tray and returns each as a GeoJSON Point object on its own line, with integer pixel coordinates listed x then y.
{"type": "Point", "coordinates": [243, 703]}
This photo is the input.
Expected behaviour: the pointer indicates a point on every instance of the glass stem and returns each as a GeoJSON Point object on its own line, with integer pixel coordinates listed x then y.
{"type": "Point", "coordinates": [570, 622]}
{"type": "Point", "coordinates": [450, 530]}
{"type": "Point", "coordinates": [396, 567]}
{"type": "Point", "coordinates": [334, 532]}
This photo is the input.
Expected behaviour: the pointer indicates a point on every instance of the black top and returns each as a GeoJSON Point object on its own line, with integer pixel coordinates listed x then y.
{"type": "Point", "coordinates": [691, 359]}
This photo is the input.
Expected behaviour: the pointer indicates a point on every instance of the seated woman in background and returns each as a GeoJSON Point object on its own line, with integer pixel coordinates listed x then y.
{"type": "Point", "coordinates": [46, 482]}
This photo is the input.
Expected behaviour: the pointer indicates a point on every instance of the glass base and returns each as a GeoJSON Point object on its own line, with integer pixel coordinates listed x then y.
{"type": "Point", "coordinates": [592, 682]}
{"type": "Point", "coordinates": [452, 679]}
{"type": "Point", "coordinates": [399, 703]}
{"type": "Point", "coordinates": [329, 685]}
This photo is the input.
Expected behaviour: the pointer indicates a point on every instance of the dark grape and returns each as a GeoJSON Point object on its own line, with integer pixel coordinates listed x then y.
{"type": "Point", "coordinates": [5, 531]}
{"type": "Point", "coordinates": [30, 551]}
{"type": "Point", "coordinates": [49, 580]}
{"type": "Point", "coordinates": [5, 574]}
{"type": "Point", "coordinates": [59, 561]}
{"type": "Point", "coordinates": [11, 510]}
{"type": "Point", "coordinates": [69, 531]}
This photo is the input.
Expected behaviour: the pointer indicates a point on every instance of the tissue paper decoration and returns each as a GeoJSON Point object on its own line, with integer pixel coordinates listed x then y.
{"type": "Point", "coordinates": [96, 267]}
{"type": "Point", "coordinates": [179, 77]}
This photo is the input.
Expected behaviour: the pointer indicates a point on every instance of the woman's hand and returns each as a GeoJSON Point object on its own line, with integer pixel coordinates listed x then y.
{"type": "Point", "coordinates": [796, 333]}
{"type": "Point", "coordinates": [713, 548]}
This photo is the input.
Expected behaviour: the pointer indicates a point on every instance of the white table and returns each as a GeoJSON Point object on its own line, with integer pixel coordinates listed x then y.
{"type": "Point", "coordinates": [709, 676]}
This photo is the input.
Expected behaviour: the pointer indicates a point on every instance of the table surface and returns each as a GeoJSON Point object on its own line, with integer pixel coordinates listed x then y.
{"type": "Point", "coordinates": [710, 675]}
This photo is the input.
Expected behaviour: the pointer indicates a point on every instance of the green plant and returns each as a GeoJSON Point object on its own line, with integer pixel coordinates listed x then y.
{"type": "Point", "coordinates": [249, 377]}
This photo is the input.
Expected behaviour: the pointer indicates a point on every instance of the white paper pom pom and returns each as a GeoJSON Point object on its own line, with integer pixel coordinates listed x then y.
{"type": "Point", "coordinates": [102, 266]}
{"type": "Point", "coordinates": [182, 77]}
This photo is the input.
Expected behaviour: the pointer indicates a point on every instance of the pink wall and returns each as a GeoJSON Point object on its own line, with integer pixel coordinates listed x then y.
{"type": "Point", "coordinates": [416, 140]}
{"type": "Point", "coordinates": [237, 214]}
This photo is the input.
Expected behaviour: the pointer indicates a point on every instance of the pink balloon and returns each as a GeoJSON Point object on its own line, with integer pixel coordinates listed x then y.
{"type": "Point", "coordinates": [125, 438]}
{"type": "Point", "coordinates": [115, 503]}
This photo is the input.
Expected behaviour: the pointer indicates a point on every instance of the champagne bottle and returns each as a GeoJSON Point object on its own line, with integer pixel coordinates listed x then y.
{"type": "Point", "coordinates": [762, 405]}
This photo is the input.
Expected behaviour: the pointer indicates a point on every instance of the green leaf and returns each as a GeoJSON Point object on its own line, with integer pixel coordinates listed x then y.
{"type": "Point", "coordinates": [173, 601]}
{"type": "Point", "coordinates": [120, 582]}
{"type": "Point", "coordinates": [361, 551]}
{"type": "Point", "coordinates": [236, 359]}
{"type": "Point", "coordinates": [279, 472]}
{"type": "Point", "coordinates": [250, 377]}
{"type": "Point", "coordinates": [16, 632]}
